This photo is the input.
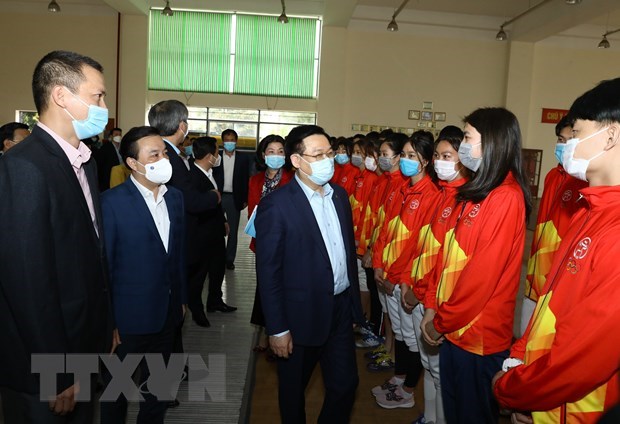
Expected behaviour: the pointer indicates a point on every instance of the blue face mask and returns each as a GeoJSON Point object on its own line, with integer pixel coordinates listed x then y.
{"type": "Point", "coordinates": [322, 170]}
{"type": "Point", "coordinates": [409, 167]}
{"type": "Point", "coordinates": [342, 158]}
{"type": "Point", "coordinates": [559, 150]}
{"type": "Point", "coordinates": [230, 146]}
{"type": "Point", "coordinates": [274, 161]}
{"type": "Point", "coordinates": [189, 150]}
{"type": "Point", "coordinates": [94, 123]}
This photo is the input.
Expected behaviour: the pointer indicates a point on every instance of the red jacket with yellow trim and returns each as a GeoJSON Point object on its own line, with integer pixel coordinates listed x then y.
{"type": "Point", "coordinates": [479, 267]}
{"type": "Point", "coordinates": [415, 209]}
{"type": "Point", "coordinates": [364, 183]}
{"type": "Point", "coordinates": [558, 204]}
{"type": "Point", "coordinates": [421, 258]}
{"type": "Point", "coordinates": [570, 347]}
{"type": "Point", "coordinates": [384, 185]}
{"type": "Point", "coordinates": [344, 176]}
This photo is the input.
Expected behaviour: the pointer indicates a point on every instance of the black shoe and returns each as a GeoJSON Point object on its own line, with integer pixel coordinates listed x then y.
{"type": "Point", "coordinates": [173, 403]}
{"type": "Point", "coordinates": [222, 307]}
{"type": "Point", "coordinates": [201, 319]}
{"type": "Point", "coordinates": [230, 265]}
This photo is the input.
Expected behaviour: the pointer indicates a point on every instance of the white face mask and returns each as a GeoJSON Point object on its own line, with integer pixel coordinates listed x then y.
{"type": "Point", "coordinates": [116, 139]}
{"type": "Point", "coordinates": [158, 172]}
{"type": "Point", "coordinates": [218, 162]}
{"type": "Point", "coordinates": [446, 170]}
{"type": "Point", "coordinates": [370, 163]}
{"type": "Point", "coordinates": [578, 167]}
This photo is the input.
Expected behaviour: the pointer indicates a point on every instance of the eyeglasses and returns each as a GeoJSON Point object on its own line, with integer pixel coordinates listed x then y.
{"type": "Point", "coordinates": [321, 156]}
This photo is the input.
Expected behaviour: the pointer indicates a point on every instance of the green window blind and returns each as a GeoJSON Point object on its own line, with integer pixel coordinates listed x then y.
{"type": "Point", "coordinates": [190, 51]}
{"type": "Point", "coordinates": [275, 59]}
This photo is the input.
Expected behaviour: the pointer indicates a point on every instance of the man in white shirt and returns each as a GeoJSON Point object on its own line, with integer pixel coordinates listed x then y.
{"type": "Point", "coordinates": [144, 228]}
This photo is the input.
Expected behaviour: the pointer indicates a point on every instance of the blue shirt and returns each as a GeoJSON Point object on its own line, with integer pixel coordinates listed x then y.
{"type": "Point", "coordinates": [175, 148]}
{"type": "Point", "coordinates": [326, 217]}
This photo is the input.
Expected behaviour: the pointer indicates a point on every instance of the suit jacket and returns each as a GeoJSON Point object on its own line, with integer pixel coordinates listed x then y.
{"type": "Point", "coordinates": [205, 230]}
{"type": "Point", "coordinates": [293, 267]}
{"type": "Point", "coordinates": [106, 159]}
{"type": "Point", "coordinates": [144, 278]}
{"type": "Point", "coordinates": [244, 165]}
{"type": "Point", "coordinates": [53, 279]}
{"type": "Point", "coordinates": [195, 201]}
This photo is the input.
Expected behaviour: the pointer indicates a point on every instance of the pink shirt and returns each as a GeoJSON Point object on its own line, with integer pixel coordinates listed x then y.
{"type": "Point", "coordinates": [77, 157]}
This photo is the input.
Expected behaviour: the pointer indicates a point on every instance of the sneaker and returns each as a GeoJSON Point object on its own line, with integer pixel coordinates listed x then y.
{"type": "Point", "coordinates": [388, 386]}
{"type": "Point", "coordinates": [382, 363]}
{"type": "Point", "coordinates": [375, 353]}
{"type": "Point", "coordinates": [421, 420]}
{"type": "Point", "coordinates": [395, 399]}
{"type": "Point", "coordinates": [368, 341]}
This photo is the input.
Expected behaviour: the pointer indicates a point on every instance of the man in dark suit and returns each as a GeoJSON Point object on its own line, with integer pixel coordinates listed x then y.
{"type": "Point", "coordinates": [144, 225]}
{"type": "Point", "coordinates": [53, 282]}
{"type": "Point", "coordinates": [170, 118]}
{"type": "Point", "coordinates": [306, 263]}
{"type": "Point", "coordinates": [233, 178]}
{"type": "Point", "coordinates": [206, 234]}
{"type": "Point", "coordinates": [108, 157]}
{"type": "Point", "coordinates": [11, 134]}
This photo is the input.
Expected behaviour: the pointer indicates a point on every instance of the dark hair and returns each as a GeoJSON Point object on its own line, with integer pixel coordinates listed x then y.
{"type": "Point", "coordinates": [424, 144]}
{"type": "Point", "coordinates": [369, 147]}
{"type": "Point", "coordinates": [454, 136]}
{"type": "Point", "coordinates": [385, 133]}
{"type": "Point", "coordinates": [167, 115]}
{"type": "Point", "coordinates": [230, 131]}
{"type": "Point", "coordinates": [343, 141]}
{"type": "Point", "coordinates": [7, 131]}
{"type": "Point", "coordinates": [501, 154]}
{"type": "Point", "coordinates": [115, 129]}
{"type": "Point", "coordinates": [600, 104]}
{"type": "Point", "coordinates": [203, 146]}
{"type": "Point", "coordinates": [293, 143]}
{"type": "Point", "coordinates": [129, 143]}
{"type": "Point", "coordinates": [564, 122]}
{"type": "Point", "coordinates": [396, 141]}
{"type": "Point", "coordinates": [59, 68]}
{"type": "Point", "coordinates": [262, 147]}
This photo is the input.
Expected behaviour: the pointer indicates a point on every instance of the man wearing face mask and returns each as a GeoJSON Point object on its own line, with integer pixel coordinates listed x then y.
{"type": "Point", "coordinates": [233, 178]}
{"type": "Point", "coordinates": [558, 204]}
{"type": "Point", "coordinates": [54, 296]}
{"type": "Point", "coordinates": [306, 263]}
{"type": "Point", "coordinates": [206, 235]}
{"type": "Point", "coordinates": [108, 157]}
{"type": "Point", "coordinates": [144, 227]}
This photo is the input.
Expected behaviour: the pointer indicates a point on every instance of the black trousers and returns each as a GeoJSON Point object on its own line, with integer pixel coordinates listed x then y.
{"type": "Point", "coordinates": [152, 411]}
{"type": "Point", "coordinates": [26, 408]}
{"type": "Point", "coordinates": [213, 266]}
{"type": "Point", "coordinates": [338, 364]}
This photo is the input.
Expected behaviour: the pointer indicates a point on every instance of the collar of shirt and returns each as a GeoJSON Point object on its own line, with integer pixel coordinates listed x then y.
{"type": "Point", "coordinates": [327, 190]}
{"type": "Point", "coordinates": [76, 156]}
{"type": "Point", "coordinates": [208, 173]}
{"type": "Point", "coordinates": [148, 194]}
{"type": "Point", "coordinates": [175, 148]}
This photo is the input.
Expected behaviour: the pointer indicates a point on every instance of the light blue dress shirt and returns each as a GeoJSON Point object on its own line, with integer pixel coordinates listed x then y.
{"type": "Point", "coordinates": [326, 217]}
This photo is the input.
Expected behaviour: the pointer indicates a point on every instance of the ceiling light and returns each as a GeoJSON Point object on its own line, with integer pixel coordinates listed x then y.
{"type": "Point", "coordinates": [501, 34]}
{"type": "Point", "coordinates": [53, 7]}
{"type": "Point", "coordinates": [167, 10]}
{"type": "Point", "coordinates": [604, 44]}
{"type": "Point", "coordinates": [392, 26]}
{"type": "Point", "coordinates": [283, 19]}
{"type": "Point", "coordinates": [572, 2]}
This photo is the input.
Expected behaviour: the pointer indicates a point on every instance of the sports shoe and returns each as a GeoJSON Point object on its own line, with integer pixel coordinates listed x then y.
{"type": "Point", "coordinates": [369, 341]}
{"type": "Point", "coordinates": [387, 386]}
{"type": "Point", "coordinates": [375, 353]}
{"type": "Point", "coordinates": [421, 420]}
{"type": "Point", "coordinates": [395, 399]}
{"type": "Point", "coordinates": [382, 363]}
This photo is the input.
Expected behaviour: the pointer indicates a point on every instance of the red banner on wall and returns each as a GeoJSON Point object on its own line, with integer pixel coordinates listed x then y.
{"type": "Point", "coordinates": [552, 116]}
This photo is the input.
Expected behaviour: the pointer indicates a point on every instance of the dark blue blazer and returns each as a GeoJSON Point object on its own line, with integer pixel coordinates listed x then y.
{"type": "Point", "coordinates": [144, 278]}
{"type": "Point", "coordinates": [295, 277]}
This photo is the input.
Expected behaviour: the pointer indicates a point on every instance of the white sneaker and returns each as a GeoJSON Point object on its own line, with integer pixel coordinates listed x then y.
{"type": "Point", "coordinates": [388, 386]}
{"type": "Point", "coordinates": [368, 341]}
{"type": "Point", "coordinates": [396, 399]}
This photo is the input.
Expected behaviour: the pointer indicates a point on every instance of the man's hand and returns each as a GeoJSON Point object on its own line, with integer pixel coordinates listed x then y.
{"type": "Point", "coordinates": [388, 287]}
{"type": "Point", "coordinates": [227, 228]}
{"type": "Point", "coordinates": [281, 346]}
{"type": "Point", "coordinates": [367, 258]}
{"type": "Point", "coordinates": [116, 340]}
{"type": "Point", "coordinates": [407, 298]}
{"type": "Point", "coordinates": [379, 277]}
{"type": "Point", "coordinates": [219, 196]}
{"type": "Point", "coordinates": [65, 402]}
{"type": "Point", "coordinates": [496, 377]}
{"type": "Point", "coordinates": [431, 335]}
